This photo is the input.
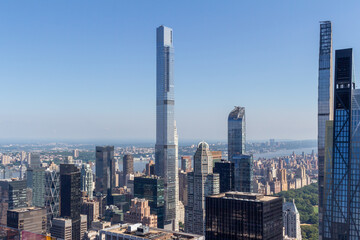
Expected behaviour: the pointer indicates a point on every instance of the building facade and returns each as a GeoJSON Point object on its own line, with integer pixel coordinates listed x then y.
{"type": "Point", "coordinates": [201, 183]}
{"type": "Point", "coordinates": [151, 188]}
{"type": "Point", "coordinates": [140, 213]}
{"type": "Point", "coordinates": [165, 149]}
{"type": "Point", "coordinates": [105, 170]}
{"type": "Point", "coordinates": [243, 172]}
{"type": "Point", "coordinates": [325, 103]}
{"type": "Point", "coordinates": [70, 197]}
{"type": "Point", "coordinates": [291, 219]}
{"type": "Point", "coordinates": [226, 171]}
{"type": "Point", "coordinates": [128, 165]}
{"type": "Point", "coordinates": [31, 219]}
{"type": "Point", "coordinates": [61, 228]}
{"type": "Point", "coordinates": [236, 132]}
{"type": "Point", "coordinates": [236, 215]}
{"type": "Point", "coordinates": [35, 178]}
{"type": "Point", "coordinates": [86, 181]}
{"type": "Point", "coordinates": [52, 195]}
{"type": "Point", "coordinates": [342, 205]}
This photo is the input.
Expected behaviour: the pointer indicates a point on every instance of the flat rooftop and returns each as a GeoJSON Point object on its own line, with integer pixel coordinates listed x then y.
{"type": "Point", "coordinates": [26, 209]}
{"type": "Point", "coordinates": [245, 196]}
{"type": "Point", "coordinates": [153, 234]}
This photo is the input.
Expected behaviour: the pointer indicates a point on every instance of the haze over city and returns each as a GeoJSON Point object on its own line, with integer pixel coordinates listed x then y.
{"type": "Point", "coordinates": [86, 70]}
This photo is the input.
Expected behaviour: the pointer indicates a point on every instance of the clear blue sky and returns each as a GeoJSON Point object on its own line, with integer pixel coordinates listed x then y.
{"type": "Point", "coordinates": [86, 69]}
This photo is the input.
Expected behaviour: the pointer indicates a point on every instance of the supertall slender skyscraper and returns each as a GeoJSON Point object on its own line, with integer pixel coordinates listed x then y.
{"type": "Point", "coordinates": [342, 199]}
{"type": "Point", "coordinates": [236, 132]}
{"type": "Point", "coordinates": [165, 148]}
{"type": "Point", "coordinates": [325, 102]}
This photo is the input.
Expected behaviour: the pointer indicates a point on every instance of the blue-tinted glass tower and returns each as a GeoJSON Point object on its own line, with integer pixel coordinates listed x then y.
{"type": "Point", "coordinates": [236, 132]}
{"type": "Point", "coordinates": [341, 218]}
{"type": "Point", "coordinates": [165, 148]}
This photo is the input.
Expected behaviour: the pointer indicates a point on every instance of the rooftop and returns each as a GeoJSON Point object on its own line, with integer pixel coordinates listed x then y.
{"type": "Point", "coordinates": [245, 196]}
{"type": "Point", "coordinates": [26, 209]}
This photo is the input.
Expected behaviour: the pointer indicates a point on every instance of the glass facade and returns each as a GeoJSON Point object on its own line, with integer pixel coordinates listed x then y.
{"type": "Point", "coordinates": [105, 170]}
{"type": "Point", "coordinates": [341, 217]}
{"type": "Point", "coordinates": [243, 172]}
{"type": "Point", "coordinates": [325, 102]}
{"type": "Point", "coordinates": [152, 189]}
{"type": "Point", "coordinates": [87, 180]}
{"type": "Point", "coordinates": [236, 132]}
{"type": "Point", "coordinates": [165, 148]}
{"type": "Point", "coordinates": [236, 215]}
{"type": "Point", "coordinates": [52, 195]}
{"type": "Point", "coordinates": [226, 171]}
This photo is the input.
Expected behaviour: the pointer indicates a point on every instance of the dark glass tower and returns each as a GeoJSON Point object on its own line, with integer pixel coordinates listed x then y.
{"type": "Point", "coordinates": [325, 103]}
{"type": "Point", "coordinates": [342, 199]}
{"type": "Point", "coordinates": [152, 189]}
{"type": "Point", "coordinates": [226, 171]}
{"type": "Point", "coordinates": [236, 215]}
{"type": "Point", "coordinates": [105, 170]}
{"type": "Point", "coordinates": [70, 196]}
{"type": "Point", "coordinates": [236, 132]}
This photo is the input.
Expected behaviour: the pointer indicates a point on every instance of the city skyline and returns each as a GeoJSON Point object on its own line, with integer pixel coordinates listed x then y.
{"type": "Point", "coordinates": [62, 97]}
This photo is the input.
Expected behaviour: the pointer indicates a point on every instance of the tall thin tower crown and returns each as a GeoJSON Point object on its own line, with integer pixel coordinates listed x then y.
{"type": "Point", "coordinates": [166, 147]}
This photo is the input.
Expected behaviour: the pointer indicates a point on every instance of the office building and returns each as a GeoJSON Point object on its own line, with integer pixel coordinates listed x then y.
{"type": "Point", "coordinates": [52, 195]}
{"type": "Point", "coordinates": [237, 215]}
{"type": "Point", "coordinates": [35, 160]}
{"type": "Point", "coordinates": [150, 168]}
{"type": "Point", "coordinates": [140, 232]}
{"type": "Point", "coordinates": [186, 165]}
{"type": "Point", "coordinates": [128, 165]}
{"type": "Point", "coordinates": [341, 208]}
{"type": "Point", "coordinates": [12, 195]}
{"type": "Point", "coordinates": [31, 219]}
{"type": "Point", "coordinates": [243, 172]}
{"type": "Point", "coordinates": [35, 178]}
{"type": "Point", "coordinates": [201, 183]}
{"type": "Point", "coordinates": [166, 164]}
{"type": "Point", "coordinates": [325, 103]}
{"type": "Point", "coordinates": [226, 171]}
{"type": "Point", "coordinates": [140, 213]}
{"type": "Point", "coordinates": [105, 170]}
{"type": "Point", "coordinates": [90, 208]}
{"type": "Point", "coordinates": [183, 187]}
{"type": "Point", "coordinates": [236, 132]}
{"type": "Point", "coordinates": [70, 197]}
{"type": "Point", "coordinates": [291, 219]}
{"type": "Point", "coordinates": [152, 189]}
{"type": "Point", "coordinates": [61, 228]}
{"type": "Point", "coordinates": [86, 181]}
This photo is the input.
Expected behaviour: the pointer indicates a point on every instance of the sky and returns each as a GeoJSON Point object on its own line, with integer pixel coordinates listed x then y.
{"type": "Point", "coordinates": [86, 69]}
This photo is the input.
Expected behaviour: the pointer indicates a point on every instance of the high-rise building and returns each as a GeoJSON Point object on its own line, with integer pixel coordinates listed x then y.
{"type": "Point", "coordinates": [140, 213]}
{"type": "Point", "coordinates": [70, 197]}
{"type": "Point", "coordinates": [183, 187]}
{"type": "Point", "coordinates": [128, 165]}
{"type": "Point", "coordinates": [76, 153]}
{"type": "Point", "coordinates": [90, 208]}
{"type": "Point", "coordinates": [52, 195]}
{"type": "Point", "coordinates": [166, 164]}
{"type": "Point", "coordinates": [201, 183]}
{"type": "Point", "coordinates": [237, 215]}
{"type": "Point", "coordinates": [236, 132]}
{"type": "Point", "coordinates": [86, 180]}
{"type": "Point", "coordinates": [35, 160]}
{"type": "Point", "coordinates": [152, 189]}
{"type": "Point", "coordinates": [291, 219]}
{"type": "Point", "coordinates": [31, 219]}
{"type": "Point", "coordinates": [35, 178]}
{"type": "Point", "coordinates": [342, 203]}
{"type": "Point", "coordinates": [325, 103]}
{"type": "Point", "coordinates": [243, 172]}
{"type": "Point", "coordinates": [12, 195]}
{"type": "Point", "coordinates": [186, 165]}
{"type": "Point", "coordinates": [226, 171]}
{"type": "Point", "coordinates": [62, 228]}
{"type": "Point", "coordinates": [105, 170]}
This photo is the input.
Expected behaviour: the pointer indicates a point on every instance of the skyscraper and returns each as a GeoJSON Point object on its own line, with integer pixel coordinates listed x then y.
{"type": "Point", "coordinates": [325, 102]}
{"type": "Point", "coordinates": [226, 171]}
{"type": "Point", "coordinates": [201, 183]}
{"type": "Point", "coordinates": [243, 172]}
{"type": "Point", "coordinates": [342, 203]}
{"type": "Point", "coordinates": [35, 179]}
{"type": "Point", "coordinates": [128, 165]}
{"type": "Point", "coordinates": [236, 132]}
{"type": "Point", "coordinates": [70, 197]}
{"type": "Point", "coordinates": [105, 170]}
{"type": "Point", "coordinates": [87, 180]}
{"type": "Point", "coordinates": [165, 148]}
{"type": "Point", "coordinates": [291, 218]}
{"type": "Point", "coordinates": [237, 215]}
{"type": "Point", "coordinates": [52, 195]}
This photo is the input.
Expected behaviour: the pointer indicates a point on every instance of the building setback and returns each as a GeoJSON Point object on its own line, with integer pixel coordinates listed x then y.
{"type": "Point", "coordinates": [237, 215]}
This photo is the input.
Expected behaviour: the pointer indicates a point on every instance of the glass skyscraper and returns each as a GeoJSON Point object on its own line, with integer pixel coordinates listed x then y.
{"type": "Point", "coordinates": [325, 102]}
{"type": "Point", "coordinates": [341, 219]}
{"type": "Point", "coordinates": [236, 132]}
{"type": "Point", "coordinates": [165, 148]}
{"type": "Point", "coordinates": [105, 170]}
